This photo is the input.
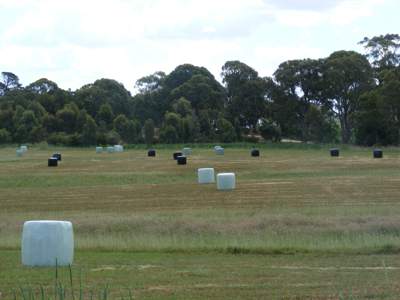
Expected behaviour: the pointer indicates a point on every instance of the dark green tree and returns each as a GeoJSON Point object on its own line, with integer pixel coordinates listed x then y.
{"type": "Point", "coordinates": [105, 115]}
{"type": "Point", "coordinates": [89, 131]}
{"type": "Point", "coordinates": [270, 131]}
{"type": "Point", "coordinates": [5, 136]}
{"type": "Point", "coordinates": [149, 131]}
{"type": "Point", "coordinates": [383, 51]}
{"type": "Point", "coordinates": [245, 92]}
{"type": "Point", "coordinates": [9, 81]}
{"type": "Point", "coordinates": [169, 135]}
{"type": "Point", "coordinates": [225, 131]}
{"type": "Point", "coordinates": [348, 76]}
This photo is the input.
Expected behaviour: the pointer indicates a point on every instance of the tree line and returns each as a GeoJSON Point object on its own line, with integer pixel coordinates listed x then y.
{"type": "Point", "coordinates": [347, 97]}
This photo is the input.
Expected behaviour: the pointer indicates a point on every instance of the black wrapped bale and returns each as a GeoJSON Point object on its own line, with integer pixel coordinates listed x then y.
{"type": "Point", "coordinates": [181, 160]}
{"type": "Point", "coordinates": [334, 152]}
{"type": "Point", "coordinates": [255, 153]}
{"type": "Point", "coordinates": [52, 162]}
{"type": "Point", "coordinates": [57, 155]}
{"type": "Point", "coordinates": [176, 154]}
{"type": "Point", "coordinates": [151, 153]}
{"type": "Point", "coordinates": [378, 153]}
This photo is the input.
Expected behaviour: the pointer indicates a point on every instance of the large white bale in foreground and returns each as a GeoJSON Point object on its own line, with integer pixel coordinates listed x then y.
{"type": "Point", "coordinates": [206, 175]}
{"type": "Point", "coordinates": [226, 181]}
{"type": "Point", "coordinates": [45, 242]}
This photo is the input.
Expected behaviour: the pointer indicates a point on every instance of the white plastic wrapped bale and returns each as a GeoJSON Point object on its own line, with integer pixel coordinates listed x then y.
{"type": "Point", "coordinates": [24, 148]}
{"type": "Point", "coordinates": [187, 151]}
{"type": "Point", "coordinates": [216, 147]}
{"type": "Point", "coordinates": [205, 175]}
{"type": "Point", "coordinates": [226, 181]}
{"type": "Point", "coordinates": [46, 242]}
{"type": "Point", "coordinates": [219, 151]}
{"type": "Point", "coordinates": [19, 152]}
{"type": "Point", "coordinates": [110, 149]}
{"type": "Point", "coordinates": [118, 148]}
{"type": "Point", "coordinates": [99, 149]}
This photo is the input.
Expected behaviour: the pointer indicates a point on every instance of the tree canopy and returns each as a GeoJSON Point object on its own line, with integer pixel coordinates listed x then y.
{"type": "Point", "coordinates": [347, 97]}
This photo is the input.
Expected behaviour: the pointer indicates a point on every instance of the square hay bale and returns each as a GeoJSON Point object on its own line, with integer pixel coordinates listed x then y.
{"type": "Point", "coordinates": [334, 152]}
{"type": "Point", "coordinates": [176, 154]}
{"type": "Point", "coordinates": [378, 153]}
{"type": "Point", "coordinates": [151, 153]}
{"type": "Point", "coordinates": [187, 151]}
{"type": "Point", "coordinates": [206, 175]}
{"type": "Point", "coordinates": [58, 156]}
{"type": "Point", "coordinates": [45, 242]}
{"type": "Point", "coordinates": [255, 153]}
{"type": "Point", "coordinates": [99, 149]}
{"type": "Point", "coordinates": [181, 160]}
{"type": "Point", "coordinates": [52, 162]}
{"type": "Point", "coordinates": [226, 181]}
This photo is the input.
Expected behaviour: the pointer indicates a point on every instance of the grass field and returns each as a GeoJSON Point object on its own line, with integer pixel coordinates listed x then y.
{"type": "Point", "coordinates": [300, 224]}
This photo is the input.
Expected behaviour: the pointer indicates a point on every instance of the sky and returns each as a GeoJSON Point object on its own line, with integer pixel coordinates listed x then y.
{"type": "Point", "coordinates": [75, 42]}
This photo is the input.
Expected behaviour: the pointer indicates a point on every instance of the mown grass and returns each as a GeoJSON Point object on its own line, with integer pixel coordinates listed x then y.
{"type": "Point", "coordinates": [203, 276]}
{"type": "Point", "coordinates": [293, 200]}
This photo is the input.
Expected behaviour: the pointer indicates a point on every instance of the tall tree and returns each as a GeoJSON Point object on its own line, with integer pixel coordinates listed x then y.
{"type": "Point", "coordinates": [42, 86]}
{"type": "Point", "coordinates": [246, 93]}
{"type": "Point", "coordinates": [148, 129]}
{"type": "Point", "coordinates": [104, 91]}
{"type": "Point", "coordinates": [150, 83]}
{"type": "Point", "coordinates": [378, 119]}
{"type": "Point", "coordinates": [348, 76]}
{"type": "Point", "coordinates": [383, 51]}
{"type": "Point", "coordinates": [9, 81]}
{"type": "Point", "coordinates": [301, 84]}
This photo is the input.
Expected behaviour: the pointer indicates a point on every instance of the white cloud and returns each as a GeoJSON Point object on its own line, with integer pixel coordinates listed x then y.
{"type": "Point", "coordinates": [76, 42]}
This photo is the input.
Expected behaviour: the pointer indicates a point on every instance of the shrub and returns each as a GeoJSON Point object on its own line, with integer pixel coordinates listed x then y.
{"type": "Point", "coordinates": [270, 131]}
{"type": "Point", "coordinates": [5, 136]}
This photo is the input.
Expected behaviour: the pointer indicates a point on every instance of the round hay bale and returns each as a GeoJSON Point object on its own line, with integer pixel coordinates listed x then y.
{"type": "Point", "coordinates": [24, 148]}
{"type": "Point", "coordinates": [19, 152]}
{"type": "Point", "coordinates": [205, 175]}
{"type": "Point", "coordinates": [151, 153]}
{"type": "Point", "coordinates": [378, 153]}
{"type": "Point", "coordinates": [255, 153]}
{"type": "Point", "coordinates": [46, 242]}
{"type": "Point", "coordinates": [226, 181]}
{"type": "Point", "coordinates": [334, 152]}
{"type": "Point", "coordinates": [176, 154]}
{"type": "Point", "coordinates": [110, 149]}
{"type": "Point", "coordinates": [187, 151]}
{"type": "Point", "coordinates": [181, 160]}
{"type": "Point", "coordinates": [57, 155]}
{"type": "Point", "coordinates": [219, 151]}
{"type": "Point", "coordinates": [52, 162]}
{"type": "Point", "coordinates": [99, 149]}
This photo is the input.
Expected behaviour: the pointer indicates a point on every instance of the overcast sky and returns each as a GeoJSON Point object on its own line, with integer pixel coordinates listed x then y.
{"type": "Point", "coordinates": [75, 42]}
